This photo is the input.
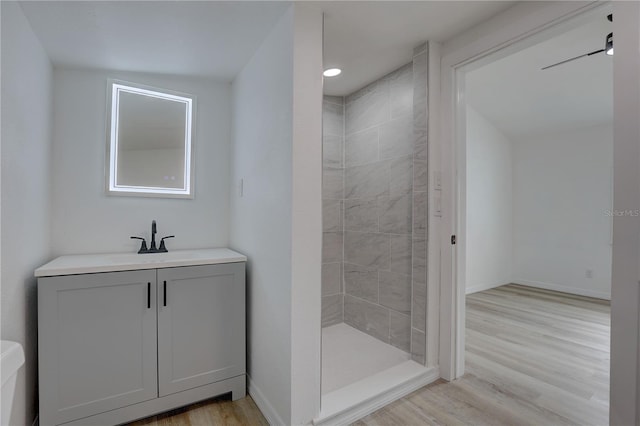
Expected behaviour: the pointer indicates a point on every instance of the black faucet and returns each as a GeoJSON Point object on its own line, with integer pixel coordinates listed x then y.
{"type": "Point", "coordinates": [152, 248]}
{"type": "Point", "coordinates": [154, 231]}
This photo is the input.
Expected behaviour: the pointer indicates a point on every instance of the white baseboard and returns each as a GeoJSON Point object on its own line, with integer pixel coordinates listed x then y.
{"type": "Point", "coordinates": [264, 405]}
{"type": "Point", "coordinates": [565, 289]}
{"type": "Point", "coordinates": [482, 287]}
{"type": "Point", "coordinates": [351, 403]}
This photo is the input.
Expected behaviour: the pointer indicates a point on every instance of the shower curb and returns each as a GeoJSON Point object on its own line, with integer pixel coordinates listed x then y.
{"type": "Point", "coordinates": [402, 380]}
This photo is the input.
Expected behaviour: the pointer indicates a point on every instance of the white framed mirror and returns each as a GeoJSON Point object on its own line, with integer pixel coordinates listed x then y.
{"type": "Point", "coordinates": [149, 141]}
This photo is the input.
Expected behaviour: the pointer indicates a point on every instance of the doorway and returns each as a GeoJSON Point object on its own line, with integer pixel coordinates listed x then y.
{"type": "Point", "coordinates": [522, 169]}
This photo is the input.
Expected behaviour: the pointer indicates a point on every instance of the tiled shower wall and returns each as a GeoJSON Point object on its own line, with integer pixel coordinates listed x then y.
{"type": "Point", "coordinates": [420, 211]}
{"type": "Point", "coordinates": [332, 209]}
{"type": "Point", "coordinates": [374, 208]}
{"type": "Point", "coordinates": [378, 208]}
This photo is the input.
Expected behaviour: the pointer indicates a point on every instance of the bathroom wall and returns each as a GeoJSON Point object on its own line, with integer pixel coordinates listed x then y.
{"type": "Point", "coordinates": [332, 210]}
{"type": "Point", "coordinates": [261, 158]}
{"type": "Point", "coordinates": [276, 174]}
{"type": "Point", "coordinates": [378, 217]}
{"type": "Point", "coordinates": [87, 220]}
{"type": "Point", "coordinates": [26, 165]}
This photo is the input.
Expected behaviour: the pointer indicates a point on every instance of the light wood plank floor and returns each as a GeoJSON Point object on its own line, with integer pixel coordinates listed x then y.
{"type": "Point", "coordinates": [534, 357]}
{"type": "Point", "coordinates": [218, 411]}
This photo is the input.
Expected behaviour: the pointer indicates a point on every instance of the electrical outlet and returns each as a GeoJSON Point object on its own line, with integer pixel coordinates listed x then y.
{"type": "Point", "coordinates": [589, 273]}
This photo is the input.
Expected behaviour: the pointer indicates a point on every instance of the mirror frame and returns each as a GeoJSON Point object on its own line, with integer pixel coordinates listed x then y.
{"type": "Point", "coordinates": [114, 88]}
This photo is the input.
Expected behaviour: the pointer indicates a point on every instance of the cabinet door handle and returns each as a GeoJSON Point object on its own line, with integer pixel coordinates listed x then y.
{"type": "Point", "coordinates": [148, 295]}
{"type": "Point", "coordinates": [165, 293]}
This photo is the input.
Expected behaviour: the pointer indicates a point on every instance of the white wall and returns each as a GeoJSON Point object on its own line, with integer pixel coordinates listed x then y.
{"type": "Point", "coordinates": [489, 205]}
{"type": "Point", "coordinates": [86, 219]}
{"type": "Point", "coordinates": [276, 222]}
{"type": "Point", "coordinates": [26, 148]}
{"type": "Point", "coordinates": [261, 218]}
{"type": "Point", "coordinates": [562, 192]}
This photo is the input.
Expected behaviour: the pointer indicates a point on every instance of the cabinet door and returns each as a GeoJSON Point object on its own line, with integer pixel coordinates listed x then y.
{"type": "Point", "coordinates": [201, 325]}
{"type": "Point", "coordinates": [97, 343]}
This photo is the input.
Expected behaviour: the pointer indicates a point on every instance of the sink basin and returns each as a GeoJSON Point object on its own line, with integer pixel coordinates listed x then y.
{"type": "Point", "coordinates": [172, 256]}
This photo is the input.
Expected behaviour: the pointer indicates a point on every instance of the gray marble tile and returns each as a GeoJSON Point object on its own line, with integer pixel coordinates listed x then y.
{"type": "Point", "coordinates": [396, 137]}
{"type": "Point", "coordinates": [400, 176]}
{"type": "Point", "coordinates": [420, 77]}
{"type": "Point", "coordinates": [338, 100]}
{"type": "Point", "coordinates": [394, 214]}
{"type": "Point", "coordinates": [360, 92]}
{"type": "Point", "coordinates": [369, 109]}
{"type": "Point", "coordinates": [366, 181]}
{"type": "Point", "coordinates": [361, 214]}
{"type": "Point", "coordinates": [367, 317]}
{"type": "Point", "coordinates": [331, 215]}
{"type": "Point", "coordinates": [420, 150]}
{"type": "Point", "coordinates": [419, 306]}
{"type": "Point", "coordinates": [419, 49]}
{"type": "Point", "coordinates": [361, 281]}
{"type": "Point", "coordinates": [401, 249]}
{"type": "Point", "coordinates": [420, 214]}
{"type": "Point", "coordinates": [366, 249]}
{"type": "Point", "coordinates": [420, 114]}
{"type": "Point", "coordinates": [420, 176]}
{"type": "Point", "coordinates": [401, 91]}
{"type": "Point", "coordinates": [332, 119]}
{"type": "Point", "coordinates": [395, 291]}
{"type": "Point", "coordinates": [331, 278]}
{"type": "Point", "coordinates": [420, 260]}
{"type": "Point", "coordinates": [418, 346]}
{"type": "Point", "coordinates": [332, 183]}
{"type": "Point", "coordinates": [332, 307]}
{"type": "Point", "coordinates": [400, 331]}
{"type": "Point", "coordinates": [332, 247]}
{"type": "Point", "coordinates": [332, 151]}
{"type": "Point", "coordinates": [361, 147]}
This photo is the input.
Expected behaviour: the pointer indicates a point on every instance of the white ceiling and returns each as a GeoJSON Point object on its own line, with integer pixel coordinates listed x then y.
{"type": "Point", "coordinates": [519, 98]}
{"type": "Point", "coordinates": [368, 39]}
{"type": "Point", "coordinates": [200, 38]}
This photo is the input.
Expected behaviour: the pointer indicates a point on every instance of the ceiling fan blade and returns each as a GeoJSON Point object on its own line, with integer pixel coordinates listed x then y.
{"type": "Point", "coordinates": [573, 59]}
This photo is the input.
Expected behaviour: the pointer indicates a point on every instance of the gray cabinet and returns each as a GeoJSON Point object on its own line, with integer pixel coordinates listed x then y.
{"type": "Point", "coordinates": [118, 346]}
{"type": "Point", "coordinates": [201, 336]}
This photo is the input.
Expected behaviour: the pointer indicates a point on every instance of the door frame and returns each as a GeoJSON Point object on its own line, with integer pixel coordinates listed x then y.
{"type": "Point", "coordinates": [517, 28]}
{"type": "Point", "coordinates": [625, 283]}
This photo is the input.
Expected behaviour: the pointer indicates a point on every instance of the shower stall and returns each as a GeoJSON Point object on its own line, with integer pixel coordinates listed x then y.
{"type": "Point", "coordinates": [374, 274]}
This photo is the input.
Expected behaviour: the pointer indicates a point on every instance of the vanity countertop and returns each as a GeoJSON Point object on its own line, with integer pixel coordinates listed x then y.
{"type": "Point", "coordinates": [112, 262]}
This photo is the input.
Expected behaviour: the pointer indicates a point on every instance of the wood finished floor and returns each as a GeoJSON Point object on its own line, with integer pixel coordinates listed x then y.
{"type": "Point", "coordinates": [534, 357]}
{"type": "Point", "coordinates": [217, 411]}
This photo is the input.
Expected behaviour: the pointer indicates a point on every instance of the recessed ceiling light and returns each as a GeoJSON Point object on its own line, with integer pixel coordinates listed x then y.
{"type": "Point", "coordinates": [332, 72]}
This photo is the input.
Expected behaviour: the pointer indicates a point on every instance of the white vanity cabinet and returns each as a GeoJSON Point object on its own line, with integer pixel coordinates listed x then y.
{"type": "Point", "coordinates": [122, 345]}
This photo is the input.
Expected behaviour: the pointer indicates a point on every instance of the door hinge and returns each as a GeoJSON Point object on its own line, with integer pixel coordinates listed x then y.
{"type": "Point", "coordinates": [453, 239]}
